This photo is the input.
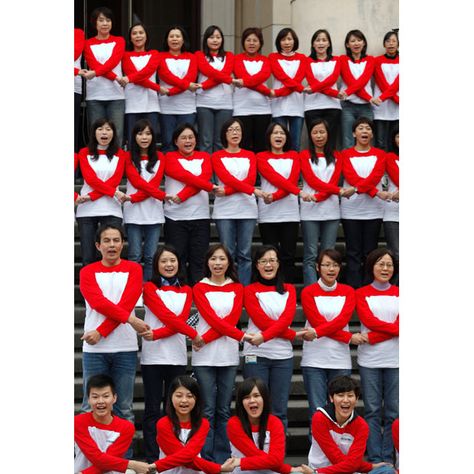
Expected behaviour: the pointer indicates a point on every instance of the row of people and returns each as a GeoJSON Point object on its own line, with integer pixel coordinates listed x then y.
{"type": "Point", "coordinates": [257, 437]}
{"type": "Point", "coordinates": [112, 287]}
{"type": "Point", "coordinates": [365, 199]}
{"type": "Point", "coordinates": [213, 84]}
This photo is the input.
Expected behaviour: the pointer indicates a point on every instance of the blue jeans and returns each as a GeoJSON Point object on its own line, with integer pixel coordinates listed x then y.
{"type": "Point", "coordinates": [316, 385]}
{"type": "Point", "coordinates": [312, 231]}
{"type": "Point", "coordinates": [216, 385]}
{"type": "Point", "coordinates": [168, 123]}
{"type": "Point", "coordinates": [150, 233]}
{"type": "Point", "coordinates": [294, 125]}
{"type": "Point", "coordinates": [113, 110]}
{"type": "Point", "coordinates": [383, 470]}
{"type": "Point", "coordinates": [209, 127]}
{"type": "Point", "coordinates": [87, 229]}
{"type": "Point", "coordinates": [236, 235]}
{"type": "Point", "coordinates": [130, 120]}
{"type": "Point", "coordinates": [277, 375]}
{"type": "Point", "coordinates": [383, 133]}
{"type": "Point", "coordinates": [351, 112]}
{"type": "Point", "coordinates": [380, 393]}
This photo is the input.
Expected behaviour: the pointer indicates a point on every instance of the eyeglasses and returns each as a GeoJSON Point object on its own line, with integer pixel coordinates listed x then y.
{"type": "Point", "coordinates": [384, 265]}
{"type": "Point", "coordinates": [264, 262]}
{"type": "Point", "coordinates": [232, 130]}
{"type": "Point", "coordinates": [329, 265]}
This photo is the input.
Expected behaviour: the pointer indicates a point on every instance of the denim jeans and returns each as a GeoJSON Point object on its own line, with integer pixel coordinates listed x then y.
{"type": "Point", "coordinates": [130, 120]}
{"type": "Point", "coordinates": [383, 133]}
{"type": "Point", "coordinates": [209, 127]}
{"type": "Point", "coordinates": [150, 234]}
{"type": "Point", "coordinates": [276, 373]}
{"type": "Point", "coordinates": [380, 395]}
{"type": "Point", "coordinates": [113, 110]}
{"type": "Point", "coordinates": [383, 470]}
{"type": "Point", "coordinates": [236, 235]}
{"type": "Point", "coordinates": [350, 113]}
{"type": "Point", "coordinates": [332, 117]}
{"type": "Point", "coordinates": [316, 385]}
{"type": "Point", "coordinates": [87, 229]}
{"type": "Point", "coordinates": [361, 238]}
{"type": "Point", "coordinates": [294, 125]}
{"type": "Point", "coordinates": [390, 230]}
{"type": "Point", "coordinates": [216, 385]}
{"type": "Point", "coordinates": [121, 366]}
{"type": "Point", "coordinates": [168, 123]}
{"type": "Point", "coordinates": [156, 382]}
{"type": "Point", "coordinates": [312, 231]}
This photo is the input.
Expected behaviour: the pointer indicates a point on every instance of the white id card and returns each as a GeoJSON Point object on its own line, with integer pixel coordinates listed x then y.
{"type": "Point", "coordinates": [251, 359]}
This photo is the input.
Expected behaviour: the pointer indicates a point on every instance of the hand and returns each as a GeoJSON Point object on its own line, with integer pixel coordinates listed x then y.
{"type": "Point", "coordinates": [230, 464]}
{"type": "Point", "coordinates": [164, 90]}
{"type": "Point", "coordinates": [138, 324]}
{"type": "Point", "coordinates": [247, 336]}
{"type": "Point", "coordinates": [91, 337]}
{"type": "Point", "coordinates": [380, 464]}
{"type": "Point", "coordinates": [121, 197]}
{"type": "Point", "coordinates": [347, 192]}
{"type": "Point", "coordinates": [259, 193]}
{"type": "Point", "coordinates": [272, 93]}
{"type": "Point", "coordinates": [169, 197]}
{"type": "Point", "coordinates": [307, 197]}
{"type": "Point", "coordinates": [365, 337]}
{"type": "Point", "coordinates": [301, 333]}
{"type": "Point", "coordinates": [238, 82]}
{"type": "Point", "coordinates": [219, 191]}
{"type": "Point", "coordinates": [268, 198]}
{"type": "Point", "coordinates": [256, 339]}
{"type": "Point", "coordinates": [194, 86]}
{"type": "Point", "coordinates": [357, 339]}
{"type": "Point", "coordinates": [342, 95]}
{"type": "Point", "coordinates": [147, 335]}
{"type": "Point", "coordinates": [375, 101]}
{"type": "Point", "coordinates": [82, 199]}
{"type": "Point", "coordinates": [176, 199]}
{"type": "Point", "coordinates": [88, 74]}
{"type": "Point", "coordinates": [140, 467]}
{"type": "Point", "coordinates": [308, 90]}
{"type": "Point", "coordinates": [198, 341]}
{"type": "Point", "coordinates": [384, 195]}
{"type": "Point", "coordinates": [396, 196]}
{"type": "Point", "coordinates": [123, 81]}
{"type": "Point", "coordinates": [310, 335]}
{"type": "Point", "coordinates": [306, 469]}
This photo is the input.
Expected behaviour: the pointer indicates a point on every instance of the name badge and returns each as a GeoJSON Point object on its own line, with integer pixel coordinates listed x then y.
{"type": "Point", "coordinates": [251, 359]}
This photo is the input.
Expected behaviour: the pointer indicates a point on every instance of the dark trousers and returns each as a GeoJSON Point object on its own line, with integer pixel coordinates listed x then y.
{"type": "Point", "coordinates": [332, 117]}
{"type": "Point", "coordinates": [361, 238]}
{"type": "Point", "coordinates": [156, 382]}
{"type": "Point", "coordinates": [282, 235]}
{"type": "Point", "coordinates": [383, 133]}
{"type": "Point", "coordinates": [253, 136]}
{"type": "Point", "coordinates": [191, 241]}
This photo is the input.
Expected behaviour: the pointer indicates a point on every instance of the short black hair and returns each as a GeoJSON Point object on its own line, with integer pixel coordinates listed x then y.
{"type": "Point", "coordinates": [360, 120]}
{"type": "Point", "coordinates": [333, 254]}
{"type": "Point", "coordinates": [180, 129]}
{"type": "Point", "coordinates": [185, 36]}
{"type": "Point", "coordinates": [107, 12]}
{"type": "Point", "coordinates": [103, 227]}
{"type": "Point", "coordinates": [343, 383]}
{"type": "Point", "coordinates": [226, 125]}
{"type": "Point", "coordinates": [100, 381]}
{"type": "Point", "coordinates": [282, 33]}
{"type": "Point", "coordinates": [252, 30]}
{"type": "Point", "coordinates": [375, 256]}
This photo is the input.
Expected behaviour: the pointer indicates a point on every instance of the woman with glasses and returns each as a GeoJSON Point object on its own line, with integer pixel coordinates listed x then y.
{"type": "Point", "coordinates": [271, 305]}
{"type": "Point", "coordinates": [377, 308]}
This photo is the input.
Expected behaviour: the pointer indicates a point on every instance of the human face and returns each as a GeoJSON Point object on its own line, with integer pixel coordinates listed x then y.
{"type": "Point", "coordinates": [183, 402]}
{"type": "Point", "coordinates": [277, 139]}
{"type": "Point", "coordinates": [144, 138]}
{"type": "Point", "coordinates": [287, 43]}
{"type": "Point", "coordinates": [168, 264]}
{"type": "Point", "coordinates": [104, 134]}
{"type": "Point", "coordinates": [218, 263]}
{"type": "Point", "coordinates": [110, 246]}
{"type": "Point", "coordinates": [268, 265]}
{"type": "Point", "coordinates": [234, 134]}
{"type": "Point", "coordinates": [328, 270]}
{"type": "Point", "coordinates": [103, 26]}
{"type": "Point", "coordinates": [253, 405]}
{"type": "Point", "coordinates": [363, 135]}
{"type": "Point", "coordinates": [186, 142]}
{"type": "Point", "coordinates": [101, 401]}
{"type": "Point", "coordinates": [344, 404]}
{"type": "Point", "coordinates": [391, 45]}
{"type": "Point", "coordinates": [319, 137]}
{"type": "Point", "coordinates": [397, 139]}
{"type": "Point", "coordinates": [252, 44]}
{"type": "Point", "coordinates": [383, 269]}
{"type": "Point", "coordinates": [175, 41]}
{"type": "Point", "coordinates": [355, 45]}
{"type": "Point", "coordinates": [138, 38]}
{"type": "Point", "coordinates": [321, 45]}
{"type": "Point", "coordinates": [214, 42]}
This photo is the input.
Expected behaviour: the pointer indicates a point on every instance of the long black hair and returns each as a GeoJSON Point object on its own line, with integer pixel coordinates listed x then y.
{"type": "Point", "coordinates": [190, 384]}
{"type": "Point", "coordinates": [156, 276]}
{"type": "Point", "coordinates": [230, 272]}
{"type": "Point", "coordinates": [113, 147]}
{"type": "Point", "coordinates": [269, 131]}
{"type": "Point", "coordinates": [256, 277]}
{"type": "Point", "coordinates": [245, 388]}
{"type": "Point", "coordinates": [185, 46]}
{"type": "Point", "coordinates": [205, 48]}
{"type": "Point", "coordinates": [313, 54]}
{"type": "Point", "coordinates": [328, 150]}
{"type": "Point", "coordinates": [135, 151]}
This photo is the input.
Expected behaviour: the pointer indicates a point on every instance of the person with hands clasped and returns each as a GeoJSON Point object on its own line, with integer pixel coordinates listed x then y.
{"type": "Point", "coordinates": [271, 306]}
{"type": "Point", "coordinates": [167, 300]}
{"type": "Point", "coordinates": [188, 173]}
{"type": "Point", "coordinates": [111, 289]}
{"type": "Point", "coordinates": [219, 300]}
{"type": "Point", "coordinates": [182, 432]}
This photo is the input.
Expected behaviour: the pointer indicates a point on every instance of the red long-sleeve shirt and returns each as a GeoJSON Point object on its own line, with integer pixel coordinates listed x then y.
{"type": "Point", "coordinates": [289, 84]}
{"type": "Point", "coordinates": [214, 76]}
{"type": "Point", "coordinates": [389, 91]}
{"type": "Point", "coordinates": [79, 42]}
{"type": "Point", "coordinates": [357, 86]}
{"type": "Point", "coordinates": [105, 69]}
{"type": "Point", "coordinates": [178, 84]}
{"type": "Point", "coordinates": [255, 82]}
{"type": "Point", "coordinates": [142, 76]}
{"type": "Point", "coordinates": [392, 168]}
{"type": "Point", "coordinates": [324, 86]}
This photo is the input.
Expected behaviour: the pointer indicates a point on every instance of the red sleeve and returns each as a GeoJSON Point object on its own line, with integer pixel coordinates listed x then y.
{"type": "Point", "coordinates": [317, 184]}
{"type": "Point", "coordinates": [295, 84]}
{"type": "Point", "coordinates": [93, 294]}
{"type": "Point", "coordinates": [151, 188]}
{"type": "Point", "coordinates": [324, 86]}
{"type": "Point", "coordinates": [271, 328]}
{"type": "Point", "coordinates": [245, 186]}
{"type": "Point", "coordinates": [364, 185]}
{"type": "Point", "coordinates": [268, 172]}
{"type": "Point", "coordinates": [79, 40]}
{"type": "Point", "coordinates": [176, 171]}
{"type": "Point", "coordinates": [392, 168]}
{"type": "Point", "coordinates": [133, 74]}
{"type": "Point", "coordinates": [112, 459]}
{"type": "Point", "coordinates": [166, 75]}
{"type": "Point", "coordinates": [256, 80]}
{"type": "Point", "coordinates": [356, 86]}
{"type": "Point", "coordinates": [388, 90]}
{"type": "Point", "coordinates": [177, 323]}
{"type": "Point", "coordinates": [376, 337]}
{"type": "Point", "coordinates": [395, 434]}
{"type": "Point", "coordinates": [111, 63]}
{"type": "Point", "coordinates": [214, 76]}
{"type": "Point", "coordinates": [350, 462]}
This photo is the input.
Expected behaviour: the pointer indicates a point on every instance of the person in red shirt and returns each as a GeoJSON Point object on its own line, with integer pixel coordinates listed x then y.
{"type": "Point", "coordinates": [101, 438]}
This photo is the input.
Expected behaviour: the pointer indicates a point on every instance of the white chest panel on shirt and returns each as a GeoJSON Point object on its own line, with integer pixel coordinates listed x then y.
{"type": "Point", "coordinates": [179, 67]}
{"type": "Point", "coordinates": [322, 170]}
{"type": "Point", "coordinates": [253, 67]}
{"type": "Point", "coordinates": [103, 168]}
{"type": "Point", "coordinates": [103, 51]}
{"type": "Point", "coordinates": [192, 166]}
{"type": "Point", "coordinates": [384, 307]}
{"type": "Point", "coordinates": [390, 71]}
{"type": "Point", "coordinates": [272, 303]}
{"type": "Point", "coordinates": [140, 61]}
{"type": "Point", "coordinates": [173, 300]}
{"type": "Point", "coordinates": [323, 69]}
{"type": "Point", "coordinates": [103, 438]}
{"type": "Point", "coordinates": [112, 284]}
{"type": "Point", "coordinates": [266, 443]}
{"type": "Point", "coordinates": [363, 166]}
{"type": "Point", "coordinates": [282, 166]}
{"type": "Point", "coordinates": [357, 69]}
{"type": "Point", "coordinates": [330, 306]}
{"type": "Point", "coordinates": [290, 67]}
{"type": "Point", "coordinates": [343, 440]}
{"type": "Point", "coordinates": [218, 63]}
{"type": "Point", "coordinates": [221, 302]}
{"type": "Point", "coordinates": [398, 165]}
{"type": "Point", "coordinates": [237, 167]}
{"type": "Point", "coordinates": [144, 172]}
